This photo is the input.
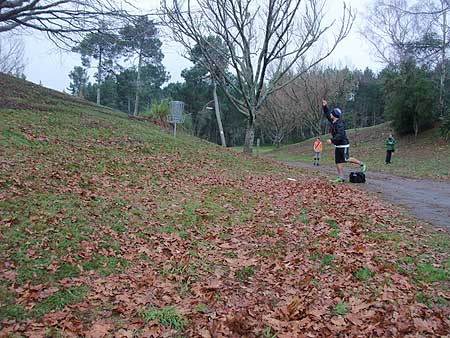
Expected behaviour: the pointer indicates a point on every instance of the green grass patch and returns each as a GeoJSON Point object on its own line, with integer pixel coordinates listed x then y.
{"type": "Point", "coordinates": [273, 251]}
{"type": "Point", "coordinates": [439, 242]}
{"type": "Point", "coordinates": [335, 233]}
{"type": "Point", "coordinates": [169, 317]}
{"type": "Point", "coordinates": [10, 137]}
{"type": "Point", "coordinates": [264, 230]}
{"type": "Point", "coordinates": [332, 223]}
{"type": "Point", "coordinates": [201, 308]}
{"type": "Point", "coordinates": [108, 242]}
{"type": "Point", "coordinates": [9, 309]}
{"type": "Point", "coordinates": [60, 299]}
{"type": "Point", "coordinates": [327, 260]}
{"type": "Point", "coordinates": [431, 274]}
{"type": "Point", "coordinates": [334, 228]}
{"type": "Point", "coordinates": [364, 274]}
{"type": "Point", "coordinates": [303, 218]}
{"type": "Point", "coordinates": [423, 298]}
{"type": "Point", "coordinates": [256, 150]}
{"type": "Point", "coordinates": [13, 311]}
{"type": "Point", "coordinates": [105, 265]}
{"type": "Point", "coordinates": [245, 273]}
{"type": "Point", "coordinates": [340, 309]}
{"type": "Point", "coordinates": [269, 333]}
{"type": "Point", "coordinates": [384, 236]}
{"type": "Point", "coordinates": [179, 268]}
{"type": "Point", "coordinates": [67, 270]}
{"type": "Point", "coordinates": [422, 269]}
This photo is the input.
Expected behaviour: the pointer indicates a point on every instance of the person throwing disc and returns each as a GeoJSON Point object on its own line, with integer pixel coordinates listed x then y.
{"type": "Point", "coordinates": [340, 141]}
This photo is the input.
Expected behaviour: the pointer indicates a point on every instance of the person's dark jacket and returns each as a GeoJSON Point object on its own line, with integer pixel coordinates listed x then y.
{"type": "Point", "coordinates": [337, 129]}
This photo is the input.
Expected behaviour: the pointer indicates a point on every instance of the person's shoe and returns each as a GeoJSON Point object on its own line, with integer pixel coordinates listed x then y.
{"type": "Point", "coordinates": [363, 168]}
{"type": "Point", "coordinates": [337, 180]}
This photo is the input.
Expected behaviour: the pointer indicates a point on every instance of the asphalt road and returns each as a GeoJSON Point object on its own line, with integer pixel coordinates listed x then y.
{"type": "Point", "coordinates": [425, 199]}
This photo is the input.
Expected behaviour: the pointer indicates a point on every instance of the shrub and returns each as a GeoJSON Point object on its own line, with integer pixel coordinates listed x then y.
{"type": "Point", "coordinates": [160, 111]}
{"type": "Point", "coordinates": [445, 128]}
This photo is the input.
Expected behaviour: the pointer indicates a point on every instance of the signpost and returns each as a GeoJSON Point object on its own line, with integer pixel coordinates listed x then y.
{"type": "Point", "coordinates": [176, 115]}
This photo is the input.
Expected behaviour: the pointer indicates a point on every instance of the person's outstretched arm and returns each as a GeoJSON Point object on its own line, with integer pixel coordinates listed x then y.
{"type": "Point", "coordinates": [326, 111]}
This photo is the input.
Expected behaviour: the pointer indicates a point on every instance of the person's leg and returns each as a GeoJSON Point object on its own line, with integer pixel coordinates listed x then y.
{"type": "Point", "coordinates": [354, 160]}
{"type": "Point", "coordinates": [360, 163]}
{"type": "Point", "coordinates": [388, 156]}
{"type": "Point", "coordinates": [340, 170]}
{"type": "Point", "coordinates": [339, 157]}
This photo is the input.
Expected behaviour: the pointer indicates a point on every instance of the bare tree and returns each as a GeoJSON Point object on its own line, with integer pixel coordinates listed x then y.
{"type": "Point", "coordinates": [437, 12]}
{"type": "Point", "coordinates": [258, 35]}
{"type": "Point", "coordinates": [391, 29]}
{"type": "Point", "coordinates": [444, 45]}
{"type": "Point", "coordinates": [12, 56]}
{"type": "Point", "coordinates": [308, 91]}
{"type": "Point", "coordinates": [59, 18]}
{"type": "Point", "coordinates": [279, 116]}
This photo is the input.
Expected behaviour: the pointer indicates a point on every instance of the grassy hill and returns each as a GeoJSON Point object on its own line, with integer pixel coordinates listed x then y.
{"type": "Point", "coordinates": [428, 156]}
{"type": "Point", "coordinates": [110, 227]}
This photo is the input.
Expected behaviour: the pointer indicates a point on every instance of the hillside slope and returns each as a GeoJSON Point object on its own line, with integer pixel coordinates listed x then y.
{"type": "Point", "coordinates": [428, 156]}
{"type": "Point", "coordinates": [110, 227]}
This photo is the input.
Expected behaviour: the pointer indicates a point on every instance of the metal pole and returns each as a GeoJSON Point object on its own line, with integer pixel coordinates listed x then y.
{"type": "Point", "coordinates": [175, 130]}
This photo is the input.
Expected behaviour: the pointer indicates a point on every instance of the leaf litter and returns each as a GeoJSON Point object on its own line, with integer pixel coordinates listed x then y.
{"type": "Point", "coordinates": [257, 252]}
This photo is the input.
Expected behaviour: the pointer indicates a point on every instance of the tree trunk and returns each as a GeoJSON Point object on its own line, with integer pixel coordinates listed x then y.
{"type": "Point", "coordinates": [302, 132]}
{"type": "Point", "coordinates": [416, 128]}
{"type": "Point", "coordinates": [219, 121]}
{"type": "Point", "coordinates": [249, 135]}
{"type": "Point", "coordinates": [443, 61]}
{"type": "Point", "coordinates": [138, 85]}
{"type": "Point", "coordinates": [99, 75]}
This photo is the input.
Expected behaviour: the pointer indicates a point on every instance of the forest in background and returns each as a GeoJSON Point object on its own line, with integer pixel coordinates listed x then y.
{"type": "Point", "coordinates": [282, 103]}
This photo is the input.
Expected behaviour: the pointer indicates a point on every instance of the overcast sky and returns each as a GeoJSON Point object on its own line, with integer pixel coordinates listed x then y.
{"type": "Point", "coordinates": [48, 65]}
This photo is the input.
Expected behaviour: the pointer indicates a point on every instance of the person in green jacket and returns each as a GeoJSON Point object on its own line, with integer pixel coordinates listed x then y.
{"type": "Point", "coordinates": [390, 148]}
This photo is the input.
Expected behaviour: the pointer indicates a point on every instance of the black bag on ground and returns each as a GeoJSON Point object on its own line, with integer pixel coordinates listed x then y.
{"type": "Point", "coordinates": [357, 177]}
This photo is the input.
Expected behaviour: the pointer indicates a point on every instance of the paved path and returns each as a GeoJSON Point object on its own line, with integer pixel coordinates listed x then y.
{"type": "Point", "coordinates": [426, 199]}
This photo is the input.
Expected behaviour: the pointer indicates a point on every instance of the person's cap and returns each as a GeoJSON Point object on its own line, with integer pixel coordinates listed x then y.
{"type": "Point", "coordinates": [336, 112]}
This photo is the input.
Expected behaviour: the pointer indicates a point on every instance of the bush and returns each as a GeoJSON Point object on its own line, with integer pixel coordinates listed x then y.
{"type": "Point", "coordinates": [159, 110]}
{"type": "Point", "coordinates": [445, 128]}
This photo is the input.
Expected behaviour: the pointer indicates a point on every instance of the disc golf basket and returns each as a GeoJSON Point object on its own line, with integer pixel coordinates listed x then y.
{"type": "Point", "coordinates": [176, 115]}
